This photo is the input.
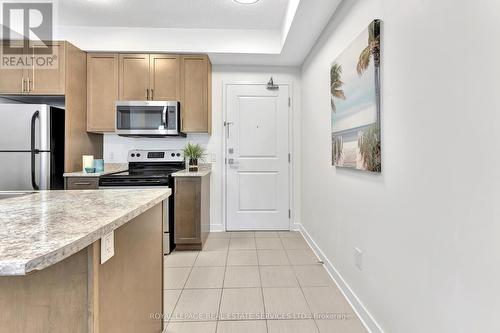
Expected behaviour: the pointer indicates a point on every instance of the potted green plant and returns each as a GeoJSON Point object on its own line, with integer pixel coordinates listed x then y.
{"type": "Point", "coordinates": [193, 153]}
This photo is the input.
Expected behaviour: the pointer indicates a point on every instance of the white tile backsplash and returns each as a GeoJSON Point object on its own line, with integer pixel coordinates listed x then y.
{"type": "Point", "coordinates": [116, 147]}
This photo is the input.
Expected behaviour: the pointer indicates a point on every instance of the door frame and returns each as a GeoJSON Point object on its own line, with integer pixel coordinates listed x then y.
{"type": "Point", "coordinates": [291, 185]}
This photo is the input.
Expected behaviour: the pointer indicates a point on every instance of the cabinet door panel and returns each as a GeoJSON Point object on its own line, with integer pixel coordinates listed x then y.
{"type": "Point", "coordinates": [134, 77]}
{"type": "Point", "coordinates": [11, 81]}
{"type": "Point", "coordinates": [43, 81]}
{"type": "Point", "coordinates": [14, 80]}
{"type": "Point", "coordinates": [102, 91]}
{"type": "Point", "coordinates": [187, 210]}
{"type": "Point", "coordinates": [165, 77]}
{"type": "Point", "coordinates": [195, 108]}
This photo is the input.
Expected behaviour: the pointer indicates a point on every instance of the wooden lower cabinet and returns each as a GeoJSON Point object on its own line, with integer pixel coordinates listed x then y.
{"type": "Point", "coordinates": [81, 295]}
{"type": "Point", "coordinates": [81, 183]}
{"type": "Point", "coordinates": [192, 212]}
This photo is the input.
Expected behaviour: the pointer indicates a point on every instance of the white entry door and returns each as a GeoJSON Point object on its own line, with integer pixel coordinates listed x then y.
{"type": "Point", "coordinates": [257, 167]}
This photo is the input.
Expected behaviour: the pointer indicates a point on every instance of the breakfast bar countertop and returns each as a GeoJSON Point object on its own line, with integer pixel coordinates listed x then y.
{"type": "Point", "coordinates": [40, 229]}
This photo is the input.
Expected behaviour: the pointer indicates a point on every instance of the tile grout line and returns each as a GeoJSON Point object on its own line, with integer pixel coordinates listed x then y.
{"type": "Point", "coordinates": [304, 295]}
{"type": "Point", "coordinates": [302, 291]}
{"type": "Point", "coordinates": [222, 288]}
{"type": "Point", "coordinates": [256, 250]}
{"type": "Point", "coordinates": [183, 287]}
{"type": "Point", "coordinates": [261, 288]}
{"type": "Point", "coordinates": [305, 298]}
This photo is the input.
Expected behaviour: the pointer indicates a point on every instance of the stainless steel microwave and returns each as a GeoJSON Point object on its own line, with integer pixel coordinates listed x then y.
{"type": "Point", "coordinates": [148, 118]}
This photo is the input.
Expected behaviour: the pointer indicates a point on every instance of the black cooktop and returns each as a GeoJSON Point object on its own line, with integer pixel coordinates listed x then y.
{"type": "Point", "coordinates": [142, 174]}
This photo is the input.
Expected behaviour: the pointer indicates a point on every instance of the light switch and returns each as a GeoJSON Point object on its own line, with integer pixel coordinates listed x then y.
{"type": "Point", "coordinates": [107, 247]}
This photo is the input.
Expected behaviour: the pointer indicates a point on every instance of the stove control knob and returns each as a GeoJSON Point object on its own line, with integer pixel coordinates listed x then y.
{"type": "Point", "coordinates": [173, 154]}
{"type": "Point", "coordinates": [133, 155]}
{"type": "Point", "coordinates": [138, 155]}
{"type": "Point", "coordinates": [178, 155]}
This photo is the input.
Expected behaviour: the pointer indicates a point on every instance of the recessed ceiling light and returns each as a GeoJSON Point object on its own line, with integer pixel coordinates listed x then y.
{"type": "Point", "coordinates": [246, 2]}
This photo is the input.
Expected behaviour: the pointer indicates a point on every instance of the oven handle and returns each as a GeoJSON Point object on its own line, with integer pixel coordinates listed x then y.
{"type": "Point", "coordinates": [130, 187]}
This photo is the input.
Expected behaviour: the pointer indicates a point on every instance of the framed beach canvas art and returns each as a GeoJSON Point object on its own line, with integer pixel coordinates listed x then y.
{"type": "Point", "coordinates": [355, 103]}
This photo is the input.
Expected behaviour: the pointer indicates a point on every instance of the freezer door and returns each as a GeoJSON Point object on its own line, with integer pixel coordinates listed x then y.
{"type": "Point", "coordinates": [15, 127]}
{"type": "Point", "coordinates": [16, 173]}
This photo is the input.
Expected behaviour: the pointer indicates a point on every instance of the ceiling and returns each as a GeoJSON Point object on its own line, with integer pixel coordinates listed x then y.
{"type": "Point", "coordinates": [271, 32]}
{"type": "Point", "coordinates": [187, 14]}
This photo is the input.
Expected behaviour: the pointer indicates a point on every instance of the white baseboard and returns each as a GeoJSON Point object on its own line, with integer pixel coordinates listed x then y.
{"type": "Point", "coordinates": [217, 228]}
{"type": "Point", "coordinates": [371, 325]}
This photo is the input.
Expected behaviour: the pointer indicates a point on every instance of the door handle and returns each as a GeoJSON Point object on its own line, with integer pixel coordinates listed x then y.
{"type": "Point", "coordinates": [227, 124]}
{"type": "Point", "coordinates": [152, 98]}
{"type": "Point", "coordinates": [147, 94]}
{"type": "Point", "coordinates": [23, 82]}
{"type": "Point", "coordinates": [34, 151]}
{"type": "Point", "coordinates": [232, 163]}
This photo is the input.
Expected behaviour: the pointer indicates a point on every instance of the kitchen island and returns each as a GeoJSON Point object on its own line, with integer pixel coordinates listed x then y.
{"type": "Point", "coordinates": [51, 276]}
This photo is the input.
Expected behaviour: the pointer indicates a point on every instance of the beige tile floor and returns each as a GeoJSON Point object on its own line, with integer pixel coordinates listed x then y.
{"type": "Point", "coordinates": [255, 282]}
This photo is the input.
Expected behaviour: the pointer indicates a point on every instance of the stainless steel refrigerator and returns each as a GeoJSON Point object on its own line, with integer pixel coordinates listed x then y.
{"type": "Point", "coordinates": [31, 147]}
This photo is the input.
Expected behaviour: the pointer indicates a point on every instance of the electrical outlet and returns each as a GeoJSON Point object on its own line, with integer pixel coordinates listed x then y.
{"type": "Point", "coordinates": [107, 247]}
{"type": "Point", "coordinates": [358, 258]}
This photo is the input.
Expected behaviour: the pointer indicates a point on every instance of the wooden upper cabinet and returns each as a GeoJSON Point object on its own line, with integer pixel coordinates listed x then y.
{"type": "Point", "coordinates": [12, 81]}
{"type": "Point", "coordinates": [159, 77]}
{"type": "Point", "coordinates": [164, 77]}
{"type": "Point", "coordinates": [196, 108]}
{"type": "Point", "coordinates": [37, 80]}
{"type": "Point", "coordinates": [102, 91]}
{"type": "Point", "coordinates": [44, 81]}
{"type": "Point", "coordinates": [134, 77]}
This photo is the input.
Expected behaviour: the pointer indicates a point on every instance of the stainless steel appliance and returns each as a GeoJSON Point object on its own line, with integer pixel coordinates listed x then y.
{"type": "Point", "coordinates": [150, 169]}
{"type": "Point", "coordinates": [31, 147]}
{"type": "Point", "coordinates": [148, 118]}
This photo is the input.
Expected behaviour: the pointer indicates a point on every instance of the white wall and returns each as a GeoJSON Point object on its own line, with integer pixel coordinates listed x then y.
{"type": "Point", "coordinates": [429, 225]}
{"type": "Point", "coordinates": [115, 147]}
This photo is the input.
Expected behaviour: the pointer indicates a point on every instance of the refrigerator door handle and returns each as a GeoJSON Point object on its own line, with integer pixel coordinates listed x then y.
{"type": "Point", "coordinates": [34, 151]}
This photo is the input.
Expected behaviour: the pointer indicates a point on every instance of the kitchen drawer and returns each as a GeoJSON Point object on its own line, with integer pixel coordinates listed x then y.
{"type": "Point", "coordinates": [82, 183]}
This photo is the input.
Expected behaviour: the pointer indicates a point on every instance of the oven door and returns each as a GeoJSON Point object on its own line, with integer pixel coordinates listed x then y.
{"type": "Point", "coordinates": [147, 118]}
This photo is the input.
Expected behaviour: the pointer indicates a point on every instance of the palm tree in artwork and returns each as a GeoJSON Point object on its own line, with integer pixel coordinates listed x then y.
{"type": "Point", "coordinates": [369, 142]}
{"type": "Point", "coordinates": [336, 84]}
{"type": "Point", "coordinates": [372, 49]}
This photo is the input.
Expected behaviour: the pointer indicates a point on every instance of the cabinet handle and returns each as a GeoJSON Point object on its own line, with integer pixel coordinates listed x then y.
{"type": "Point", "coordinates": [29, 85]}
{"type": "Point", "coordinates": [152, 98]}
{"type": "Point", "coordinates": [82, 183]}
{"type": "Point", "coordinates": [147, 94]}
{"type": "Point", "coordinates": [22, 84]}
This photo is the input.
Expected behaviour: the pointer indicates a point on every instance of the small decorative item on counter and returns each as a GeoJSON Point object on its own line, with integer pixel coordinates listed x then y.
{"type": "Point", "coordinates": [99, 165]}
{"type": "Point", "coordinates": [193, 153]}
{"type": "Point", "coordinates": [88, 163]}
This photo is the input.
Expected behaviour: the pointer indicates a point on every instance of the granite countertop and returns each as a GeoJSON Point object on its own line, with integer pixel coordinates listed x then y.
{"type": "Point", "coordinates": [203, 170]}
{"type": "Point", "coordinates": [108, 168]}
{"type": "Point", "coordinates": [43, 228]}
